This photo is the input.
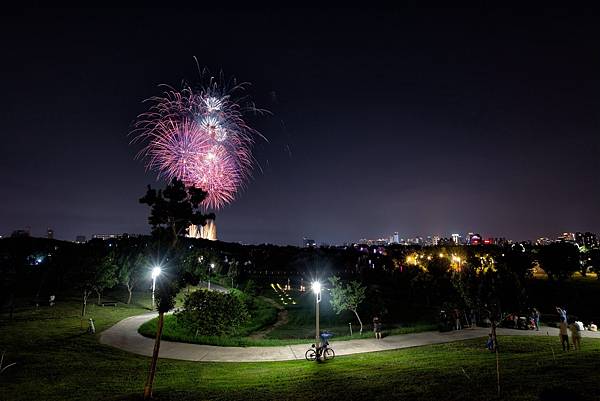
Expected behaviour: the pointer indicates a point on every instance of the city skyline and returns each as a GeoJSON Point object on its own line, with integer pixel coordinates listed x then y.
{"type": "Point", "coordinates": [425, 120]}
{"type": "Point", "coordinates": [394, 238]}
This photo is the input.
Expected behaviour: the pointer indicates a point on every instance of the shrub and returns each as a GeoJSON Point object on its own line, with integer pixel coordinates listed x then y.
{"type": "Point", "coordinates": [213, 313]}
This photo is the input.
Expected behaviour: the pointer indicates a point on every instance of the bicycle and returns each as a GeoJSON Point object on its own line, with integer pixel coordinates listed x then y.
{"type": "Point", "coordinates": [324, 352]}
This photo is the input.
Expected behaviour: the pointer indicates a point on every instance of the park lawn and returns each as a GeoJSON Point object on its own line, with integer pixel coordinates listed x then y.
{"type": "Point", "coordinates": [262, 314]}
{"type": "Point", "coordinates": [56, 360]}
{"type": "Point", "coordinates": [300, 328]}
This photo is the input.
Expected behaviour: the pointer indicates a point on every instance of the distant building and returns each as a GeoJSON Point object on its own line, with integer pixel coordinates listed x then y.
{"type": "Point", "coordinates": [435, 240]}
{"type": "Point", "coordinates": [500, 241]}
{"type": "Point", "coordinates": [396, 238]}
{"type": "Point", "coordinates": [80, 239]}
{"type": "Point", "coordinates": [456, 239]}
{"type": "Point", "coordinates": [381, 242]}
{"type": "Point", "coordinates": [570, 237]}
{"type": "Point", "coordinates": [50, 233]}
{"type": "Point", "coordinates": [106, 236]}
{"type": "Point", "coordinates": [446, 241]}
{"type": "Point", "coordinates": [20, 234]}
{"type": "Point", "coordinates": [475, 239]}
{"type": "Point", "coordinates": [543, 241]}
{"type": "Point", "coordinates": [589, 240]}
{"type": "Point", "coordinates": [309, 243]}
{"type": "Point", "coordinates": [207, 231]}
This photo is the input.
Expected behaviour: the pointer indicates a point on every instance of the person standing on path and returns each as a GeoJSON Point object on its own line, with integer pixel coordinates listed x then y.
{"type": "Point", "coordinates": [564, 335]}
{"type": "Point", "coordinates": [536, 318]}
{"type": "Point", "coordinates": [377, 327]}
{"type": "Point", "coordinates": [457, 319]}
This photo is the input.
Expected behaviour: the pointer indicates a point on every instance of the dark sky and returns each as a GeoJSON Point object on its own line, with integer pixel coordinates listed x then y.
{"type": "Point", "coordinates": [422, 121]}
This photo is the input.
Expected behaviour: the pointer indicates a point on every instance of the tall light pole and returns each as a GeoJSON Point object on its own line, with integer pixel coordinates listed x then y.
{"type": "Point", "coordinates": [211, 266]}
{"type": "Point", "coordinates": [316, 287]}
{"type": "Point", "coordinates": [155, 273]}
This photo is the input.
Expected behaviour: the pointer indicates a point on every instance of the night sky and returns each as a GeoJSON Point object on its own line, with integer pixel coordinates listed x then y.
{"type": "Point", "coordinates": [421, 121]}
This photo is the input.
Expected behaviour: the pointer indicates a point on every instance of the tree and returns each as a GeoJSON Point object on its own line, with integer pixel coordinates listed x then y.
{"type": "Point", "coordinates": [105, 276]}
{"type": "Point", "coordinates": [593, 261]}
{"type": "Point", "coordinates": [131, 263]}
{"type": "Point", "coordinates": [347, 297]}
{"type": "Point", "coordinates": [234, 271]}
{"type": "Point", "coordinates": [172, 211]}
{"type": "Point", "coordinates": [88, 264]}
{"type": "Point", "coordinates": [559, 260]}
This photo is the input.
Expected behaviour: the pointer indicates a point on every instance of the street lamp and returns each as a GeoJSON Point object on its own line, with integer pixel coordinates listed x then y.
{"type": "Point", "coordinates": [155, 273]}
{"type": "Point", "coordinates": [316, 287]}
{"type": "Point", "coordinates": [212, 266]}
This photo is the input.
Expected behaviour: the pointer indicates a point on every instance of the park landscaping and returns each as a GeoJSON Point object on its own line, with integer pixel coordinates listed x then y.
{"type": "Point", "coordinates": [57, 360]}
{"type": "Point", "coordinates": [299, 326]}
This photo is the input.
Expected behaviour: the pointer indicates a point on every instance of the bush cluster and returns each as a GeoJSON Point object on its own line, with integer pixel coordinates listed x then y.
{"type": "Point", "coordinates": [213, 313]}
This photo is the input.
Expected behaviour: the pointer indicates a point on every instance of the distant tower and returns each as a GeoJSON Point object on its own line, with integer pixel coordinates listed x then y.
{"type": "Point", "coordinates": [50, 233]}
{"type": "Point", "coordinates": [455, 238]}
{"type": "Point", "coordinates": [208, 231]}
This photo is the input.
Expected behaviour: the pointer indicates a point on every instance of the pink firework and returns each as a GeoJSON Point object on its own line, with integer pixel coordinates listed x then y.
{"type": "Point", "coordinates": [201, 138]}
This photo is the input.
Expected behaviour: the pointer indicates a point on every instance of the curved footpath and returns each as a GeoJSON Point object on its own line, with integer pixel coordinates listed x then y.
{"type": "Point", "coordinates": [124, 335]}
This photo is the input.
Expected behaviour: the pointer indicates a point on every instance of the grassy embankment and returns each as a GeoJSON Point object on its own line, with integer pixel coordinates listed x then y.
{"type": "Point", "coordinates": [56, 360]}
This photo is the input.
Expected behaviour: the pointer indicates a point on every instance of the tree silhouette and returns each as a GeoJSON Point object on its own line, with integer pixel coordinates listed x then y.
{"type": "Point", "coordinates": [172, 211]}
{"type": "Point", "coordinates": [559, 260]}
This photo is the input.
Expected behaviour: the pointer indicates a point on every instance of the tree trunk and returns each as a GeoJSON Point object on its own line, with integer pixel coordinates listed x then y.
{"type": "Point", "coordinates": [150, 380]}
{"type": "Point", "coordinates": [11, 307]}
{"type": "Point", "coordinates": [85, 297]}
{"type": "Point", "coordinates": [99, 296]}
{"type": "Point", "coordinates": [359, 321]}
{"type": "Point", "coordinates": [130, 290]}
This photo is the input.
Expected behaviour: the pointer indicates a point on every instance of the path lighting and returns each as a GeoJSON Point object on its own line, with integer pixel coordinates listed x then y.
{"type": "Point", "coordinates": [316, 287]}
{"type": "Point", "coordinates": [212, 266]}
{"type": "Point", "coordinates": [156, 270]}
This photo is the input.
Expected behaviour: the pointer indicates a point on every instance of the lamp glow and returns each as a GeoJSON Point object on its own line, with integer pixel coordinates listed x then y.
{"type": "Point", "coordinates": [316, 287]}
{"type": "Point", "coordinates": [156, 272]}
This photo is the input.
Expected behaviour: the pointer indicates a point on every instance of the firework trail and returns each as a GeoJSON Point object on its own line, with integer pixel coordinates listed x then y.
{"type": "Point", "coordinates": [200, 137]}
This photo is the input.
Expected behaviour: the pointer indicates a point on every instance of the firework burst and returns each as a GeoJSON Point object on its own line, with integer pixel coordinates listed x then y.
{"type": "Point", "coordinates": [200, 137]}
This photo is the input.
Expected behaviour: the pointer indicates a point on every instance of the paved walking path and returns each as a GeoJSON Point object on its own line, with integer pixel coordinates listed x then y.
{"type": "Point", "coordinates": [124, 335]}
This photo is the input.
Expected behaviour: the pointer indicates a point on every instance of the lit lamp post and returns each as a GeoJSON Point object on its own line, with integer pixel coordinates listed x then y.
{"type": "Point", "coordinates": [155, 273]}
{"type": "Point", "coordinates": [316, 287]}
{"type": "Point", "coordinates": [212, 266]}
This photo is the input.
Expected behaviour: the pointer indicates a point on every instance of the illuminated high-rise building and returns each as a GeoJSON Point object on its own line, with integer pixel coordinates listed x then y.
{"type": "Point", "coordinates": [456, 238]}
{"type": "Point", "coordinates": [207, 231]}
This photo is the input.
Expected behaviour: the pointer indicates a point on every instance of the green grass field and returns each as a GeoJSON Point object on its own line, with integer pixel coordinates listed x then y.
{"type": "Point", "coordinates": [56, 360]}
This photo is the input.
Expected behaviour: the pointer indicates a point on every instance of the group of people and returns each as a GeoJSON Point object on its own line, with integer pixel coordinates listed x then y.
{"type": "Point", "coordinates": [575, 327]}
{"type": "Point", "coordinates": [528, 321]}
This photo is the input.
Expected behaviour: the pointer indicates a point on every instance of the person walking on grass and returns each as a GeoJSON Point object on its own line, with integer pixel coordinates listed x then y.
{"type": "Point", "coordinates": [564, 335]}
{"type": "Point", "coordinates": [575, 335]}
{"type": "Point", "coordinates": [562, 313]}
